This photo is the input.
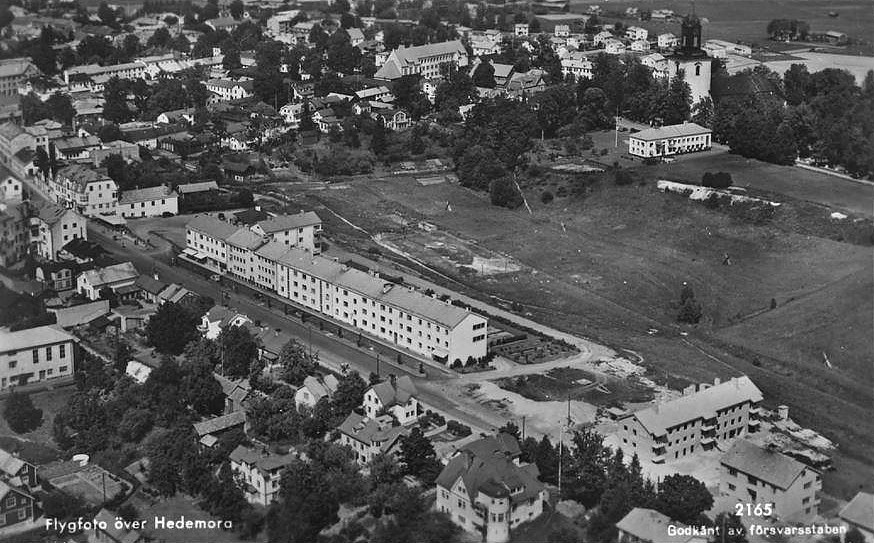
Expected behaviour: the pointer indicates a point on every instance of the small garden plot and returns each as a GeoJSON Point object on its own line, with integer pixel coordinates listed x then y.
{"type": "Point", "coordinates": [533, 350]}
{"type": "Point", "coordinates": [576, 384]}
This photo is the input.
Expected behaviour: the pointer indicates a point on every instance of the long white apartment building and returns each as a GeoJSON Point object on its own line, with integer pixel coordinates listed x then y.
{"type": "Point", "coordinates": [699, 420]}
{"type": "Point", "coordinates": [394, 313]}
{"type": "Point", "coordinates": [424, 60]}
{"type": "Point", "coordinates": [34, 355]}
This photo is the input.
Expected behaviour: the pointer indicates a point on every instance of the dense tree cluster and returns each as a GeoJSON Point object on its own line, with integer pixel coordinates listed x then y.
{"type": "Point", "coordinates": [20, 413]}
{"type": "Point", "coordinates": [171, 328]}
{"type": "Point", "coordinates": [826, 117]}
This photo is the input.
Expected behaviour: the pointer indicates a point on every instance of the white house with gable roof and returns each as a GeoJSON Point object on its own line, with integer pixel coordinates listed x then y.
{"type": "Point", "coordinates": [395, 396]}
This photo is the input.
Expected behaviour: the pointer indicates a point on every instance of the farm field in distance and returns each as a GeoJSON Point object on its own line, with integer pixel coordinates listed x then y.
{"type": "Point", "coordinates": [746, 20]}
{"type": "Point", "coordinates": [610, 266]}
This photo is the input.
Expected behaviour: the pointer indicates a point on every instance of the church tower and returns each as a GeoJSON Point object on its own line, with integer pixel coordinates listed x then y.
{"type": "Point", "coordinates": [689, 61]}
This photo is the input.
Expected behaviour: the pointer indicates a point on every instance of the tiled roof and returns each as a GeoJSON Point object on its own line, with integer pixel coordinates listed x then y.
{"type": "Point", "coordinates": [111, 274]}
{"type": "Point", "coordinates": [369, 431]}
{"type": "Point", "coordinates": [245, 239]}
{"type": "Point", "coordinates": [82, 175]}
{"type": "Point", "coordinates": [15, 67]}
{"type": "Point", "coordinates": [320, 388]}
{"type": "Point", "coordinates": [768, 465]}
{"type": "Point", "coordinates": [51, 213]}
{"type": "Point", "coordinates": [197, 187]}
{"type": "Point", "coordinates": [860, 511]}
{"type": "Point", "coordinates": [218, 424]}
{"type": "Point", "coordinates": [150, 284]}
{"type": "Point", "coordinates": [211, 226]}
{"type": "Point", "coordinates": [75, 142]}
{"type": "Point", "coordinates": [671, 131]}
{"type": "Point", "coordinates": [398, 393]}
{"type": "Point", "coordinates": [265, 462]}
{"type": "Point", "coordinates": [146, 195]}
{"type": "Point", "coordinates": [281, 223]}
{"type": "Point", "coordinates": [401, 297]}
{"type": "Point", "coordinates": [647, 525]}
{"type": "Point", "coordinates": [500, 444]}
{"type": "Point", "coordinates": [701, 404]}
{"type": "Point", "coordinates": [496, 475]}
{"type": "Point", "coordinates": [9, 130]}
{"type": "Point", "coordinates": [32, 337]}
{"type": "Point", "coordinates": [9, 464]}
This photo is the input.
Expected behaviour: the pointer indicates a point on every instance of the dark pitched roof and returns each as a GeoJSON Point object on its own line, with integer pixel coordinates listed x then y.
{"type": "Point", "coordinates": [251, 216]}
{"type": "Point", "coordinates": [770, 466]}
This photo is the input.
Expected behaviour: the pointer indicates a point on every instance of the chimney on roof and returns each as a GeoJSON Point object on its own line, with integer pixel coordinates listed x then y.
{"type": "Point", "coordinates": [736, 382]}
{"type": "Point", "coordinates": [393, 379]}
{"type": "Point", "coordinates": [717, 381]}
{"type": "Point", "coordinates": [386, 287]}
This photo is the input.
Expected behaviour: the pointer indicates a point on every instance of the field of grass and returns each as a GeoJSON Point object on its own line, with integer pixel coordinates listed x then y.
{"type": "Point", "coordinates": [835, 192]}
{"type": "Point", "coordinates": [746, 20]}
{"type": "Point", "coordinates": [610, 265]}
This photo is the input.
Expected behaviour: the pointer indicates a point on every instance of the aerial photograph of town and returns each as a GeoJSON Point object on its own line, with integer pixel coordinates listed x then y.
{"type": "Point", "coordinates": [436, 271]}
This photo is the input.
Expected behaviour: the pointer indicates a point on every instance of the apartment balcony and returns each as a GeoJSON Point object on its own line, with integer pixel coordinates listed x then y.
{"type": "Point", "coordinates": [660, 459]}
{"type": "Point", "coordinates": [708, 428]}
{"type": "Point", "coordinates": [754, 425]}
{"type": "Point", "coordinates": [755, 410]}
{"type": "Point", "coordinates": [658, 448]}
{"type": "Point", "coordinates": [708, 442]}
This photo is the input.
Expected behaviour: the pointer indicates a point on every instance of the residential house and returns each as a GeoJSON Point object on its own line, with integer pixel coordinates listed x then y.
{"type": "Point", "coordinates": [395, 397]}
{"type": "Point", "coordinates": [369, 437]}
{"type": "Point", "coordinates": [634, 33]}
{"type": "Point", "coordinates": [14, 233]}
{"type": "Point", "coordinates": [58, 276]}
{"type": "Point", "coordinates": [730, 47]}
{"type": "Point", "coordinates": [640, 46]}
{"type": "Point", "coordinates": [657, 62]}
{"type": "Point", "coordinates": [148, 202]}
{"type": "Point", "coordinates": [13, 140]}
{"type": "Point", "coordinates": [484, 47]}
{"type": "Point", "coordinates": [753, 474]}
{"type": "Point", "coordinates": [52, 227]}
{"type": "Point", "coordinates": [228, 89]}
{"type": "Point", "coordinates": [314, 389]}
{"type": "Point", "coordinates": [859, 514]}
{"type": "Point", "coordinates": [667, 41]}
{"type": "Point", "coordinates": [239, 171]}
{"type": "Point", "coordinates": [643, 525]}
{"type": "Point", "coordinates": [16, 471]}
{"type": "Point", "coordinates": [356, 36]}
{"type": "Point", "coordinates": [520, 29]}
{"type": "Point", "coordinates": [220, 318]}
{"type": "Point", "coordinates": [176, 116]}
{"type": "Point", "coordinates": [150, 287]}
{"type": "Point", "coordinates": [601, 38]}
{"type": "Point", "coordinates": [614, 47]}
{"type": "Point", "coordinates": [236, 392]}
{"type": "Point", "coordinates": [486, 489]}
{"type": "Point", "coordinates": [88, 192]}
{"type": "Point", "coordinates": [291, 113]}
{"type": "Point", "coordinates": [502, 75]}
{"type": "Point", "coordinates": [35, 354]}
{"type": "Point", "coordinates": [90, 282]}
{"type": "Point", "coordinates": [125, 149]}
{"type": "Point", "coordinates": [698, 420]}
{"type": "Point", "coordinates": [209, 431]}
{"type": "Point", "coordinates": [392, 118]}
{"type": "Point", "coordinates": [223, 23]}
{"type": "Point", "coordinates": [423, 60]}
{"type": "Point", "coordinates": [379, 94]}
{"type": "Point", "coordinates": [17, 505]}
{"type": "Point", "coordinates": [260, 472]}
{"type": "Point", "coordinates": [670, 140]}
{"type": "Point", "coordinates": [13, 73]}
{"type": "Point", "coordinates": [577, 65]}
{"type": "Point", "coordinates": [526, 84]}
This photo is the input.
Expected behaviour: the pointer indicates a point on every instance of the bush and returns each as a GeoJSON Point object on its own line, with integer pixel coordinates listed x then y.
{"type": "Point", "coordinates": [504, 193]}
{"type": "Point", "coordinates": [719, 180]}
{"type": "Point", "coordinates": [546, 197]}
{"type": "Point", "coordinates": [690, 312]}
{"type": "Point", "coordinates": [20, 413]}
{"type": "Point", "coordinates": [461, 430]}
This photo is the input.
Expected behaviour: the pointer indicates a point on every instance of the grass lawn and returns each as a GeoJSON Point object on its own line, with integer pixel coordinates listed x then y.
{"type": "Point", "coordinates": [39, 442]}
{"type": "Point", "coordinates": [610, 265]}
{"type": "Point", "coordinates": [795, 182]}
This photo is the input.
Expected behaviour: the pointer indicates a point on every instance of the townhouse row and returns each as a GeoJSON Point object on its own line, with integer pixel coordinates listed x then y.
{"type": "Point", "coordinates": [287, 263]}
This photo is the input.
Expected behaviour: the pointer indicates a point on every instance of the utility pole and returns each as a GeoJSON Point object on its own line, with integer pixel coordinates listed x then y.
{"type": "Point", "coordinates": [377, 364]}
{"type": "Point", "coordinates": [523, 427]}
{"type": "Point", "coordinates": [616, 144]}
{"type": "Point", "coordinates": [560, 438]}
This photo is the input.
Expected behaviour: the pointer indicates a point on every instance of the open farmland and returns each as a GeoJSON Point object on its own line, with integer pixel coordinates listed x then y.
{"type": "Point", "coordinates": [610, 266]}
{"type": "Point", "coordinates": [746, 20]}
